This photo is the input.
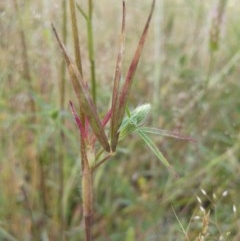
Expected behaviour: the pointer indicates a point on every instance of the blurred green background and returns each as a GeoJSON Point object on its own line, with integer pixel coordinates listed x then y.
{"type": "Point", "coordinates": [189, 72]}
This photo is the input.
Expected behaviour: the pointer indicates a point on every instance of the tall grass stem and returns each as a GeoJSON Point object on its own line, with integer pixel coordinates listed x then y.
{"type": "Point", "coordinates": [62, 90]}
{"type": "Point", "coordinates": [26, 68]}
{"type": "Point", "coordinates": [91, 50]}
{"type": "Point", "coordinates": [158, 50]}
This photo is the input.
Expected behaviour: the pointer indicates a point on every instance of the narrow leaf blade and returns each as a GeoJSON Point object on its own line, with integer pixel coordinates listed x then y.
{"type": "Point", "coordinates": [165, 133]}
{"type": "Point", "coordinates": [75, 35]}
{"type": "Point", "coordinates": [125, 92]}
{"type": "Point", "coordinates": [85, 101]}
{"type": "Point", "coordinates": [117, 78]}
{"type": "Point", "coordinates": [155, 150]}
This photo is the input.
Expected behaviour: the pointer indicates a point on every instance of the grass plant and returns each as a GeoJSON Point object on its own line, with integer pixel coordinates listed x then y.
{"type": "Point", "coordinates": [89, 115]}
{"type": "Point", "coordinates": [134, 196]}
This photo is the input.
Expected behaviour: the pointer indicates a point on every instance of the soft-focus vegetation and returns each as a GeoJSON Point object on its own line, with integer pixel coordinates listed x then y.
{"type": "Point", "coordinates": [189, 72]}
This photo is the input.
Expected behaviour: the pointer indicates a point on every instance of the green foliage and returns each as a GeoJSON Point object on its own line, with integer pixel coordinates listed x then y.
{"type": "Point", "coordinates": [133, 123]}
{"type": "Point", "coordinates": [134, 120]}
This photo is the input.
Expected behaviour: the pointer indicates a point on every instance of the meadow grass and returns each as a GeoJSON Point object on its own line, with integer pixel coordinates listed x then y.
{"type": "Point", "coordinates": [135, 196]}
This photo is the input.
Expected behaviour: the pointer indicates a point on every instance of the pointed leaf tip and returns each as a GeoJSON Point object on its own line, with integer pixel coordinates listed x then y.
{"type": "Point", "coordinates": [122, 96]}
{"type": "Point", "coordinates": [115, 93]}
{"type": "Point", "coordinates": [85, 101]}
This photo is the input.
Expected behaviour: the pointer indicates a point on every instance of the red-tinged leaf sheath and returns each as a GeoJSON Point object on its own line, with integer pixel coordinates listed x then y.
{"type": "Point", "coordinates": [123, 98]}
{"type": "Point", "coordinates": [117, 78]}
{"type": "Point", "coordinates": [85, 101]}
{"type": "Point", "coordinates": [78, 121]}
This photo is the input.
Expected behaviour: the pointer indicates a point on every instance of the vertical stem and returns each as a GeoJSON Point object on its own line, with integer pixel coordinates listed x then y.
{"type": "Point", "coordinates": [209, 70]}
{"type": "Point", "coordinates": [87, 195]}
{"type": "Point", "coordinates": [63, 66]}
{"type": "Point", "coordinates": [214, 38]}
{"type": "Point", "coordinates": [87, 192]}
{"type": "Point", "coordinates": [34, 228]}
{"type": "Point", "coordinates": [87, 202]}
{"type": "Point", "coordinates": [62, 137]}
{"type": "Point", "coordinates": [77, 48]}
{"type": "Point", "coordinates": [75, 36]}
{"type": "Point", "coordinates": [91, 50]}
{"type": "Point", "coordinates": [158, 56]}
{"type": "Point", "coordinates": [26, 68]}
{"type": "Point", "coordinates": [42, 191]}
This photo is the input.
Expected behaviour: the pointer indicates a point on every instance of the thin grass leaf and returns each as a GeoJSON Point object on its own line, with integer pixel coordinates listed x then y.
{"type": "Point", "coordinates": [91, 51]}
{"type": "Point", "coordinates": [85, 101]}
{"type": "Point", "coordinates": [165, 133]}
{"type": "Point", "coordinates": [181, 225]}
{"type": "Point", "coordinates": [133, 66]}
{"type": "Point", "coordinates": [75, 36]}
{"type": "Point", "coordinates": [155, 150]}
{"type": "Point", "coordinates": [117, 78]}
{"type": "Point", "coordinates": [125, 92]}
{"type": "Point", "coordinates": [4, 234]}
{"type": "Point", "coordinates": [82, 12]}
{"type": "Point", "coordinates": [63, 67]}
{"type": "Point", "coordinates": [77, 49]}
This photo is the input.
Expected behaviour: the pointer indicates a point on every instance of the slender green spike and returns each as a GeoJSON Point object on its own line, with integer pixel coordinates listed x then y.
{"type": "Point", "coordinates": [134, 119]}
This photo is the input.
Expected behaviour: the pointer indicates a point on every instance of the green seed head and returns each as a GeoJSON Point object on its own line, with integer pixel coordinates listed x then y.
{"type": "Point", "coordinates": [137, 118]}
